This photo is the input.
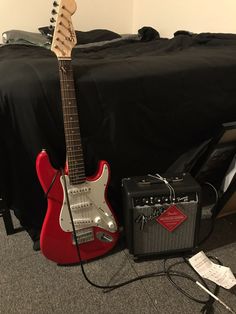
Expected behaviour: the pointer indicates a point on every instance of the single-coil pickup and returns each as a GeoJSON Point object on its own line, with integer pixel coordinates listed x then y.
{"type": "Point", "coordinates": [80, 205]}
{"type": "Point", "coordinates": [80, 190]}
{"type": "Point", "coordinates": [82, 221]}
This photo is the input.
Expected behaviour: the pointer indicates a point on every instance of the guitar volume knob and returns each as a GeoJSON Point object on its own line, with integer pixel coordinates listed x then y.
{"type": "Point", "coordinates": [97, 219]}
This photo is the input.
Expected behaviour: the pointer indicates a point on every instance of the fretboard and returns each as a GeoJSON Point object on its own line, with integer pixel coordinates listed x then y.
{"type": "Point", "coordinates": [74, 149]}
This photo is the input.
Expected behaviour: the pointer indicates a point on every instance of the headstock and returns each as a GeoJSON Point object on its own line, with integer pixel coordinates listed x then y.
{"type": "Point", "coordinates": [64, 38]}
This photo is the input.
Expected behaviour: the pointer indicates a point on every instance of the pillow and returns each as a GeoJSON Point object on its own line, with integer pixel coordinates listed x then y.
{"type": "Point", "coordinates": [92, 36]}
{"type": "Point", "coordinates": [184, 32]}
{"type": "Point", "coordinates": [95, 35]}
{"type": "Point", "coordinates": [147, 33]}
{"type": "Point", "coordinates": [23, 37]}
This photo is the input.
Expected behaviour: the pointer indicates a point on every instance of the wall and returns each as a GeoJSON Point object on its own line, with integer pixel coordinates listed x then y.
{"type": "Point", "coordinates": [30, 14]}
{"type": "Point", "coordinates": [193, 15]}
{"type": "Point", "coordinates": [126, 16]}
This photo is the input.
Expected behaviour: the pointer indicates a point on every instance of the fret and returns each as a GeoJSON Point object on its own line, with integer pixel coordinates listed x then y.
{"type": "Point", "coordinates": [80, 172]}
{"type": "Point", "coordinates": [76, 167]}
{"type": "Point", "coordinates": [74, 152]}
{"type": "Point", "coordinates": [73, 146]}
{"type": "Point", "coordinates": [75, 143]}
{"type": "Point", "coordinates": [72, 128]}
{"type": "Point", "coordinates": [70, 107]}
{"type": "Point", "coordinates": [75, 162]}
{"type": "Point", "coordinates": [70, 122]}
{"type": "Point", "coordinates": [74, 139]}
{"type": "Point", "coordinates": [77, 170]}
{"type": "Point", "coordinates": [75, 159]}
{"type": "Point", "coordinates": [76, 146]}
{"type": "Point", "coordinates": [74, 155]}
{"type": "Point", "coordinates": [71, 132]}
{"type": "Point", "coordinates": [71, 114]}
{"type": "Point", "coordinates": [73, 177]}
{"type": "Point", "coordinates": [70, 139]}
{"type": "Point", "coordinates": [76, 173]}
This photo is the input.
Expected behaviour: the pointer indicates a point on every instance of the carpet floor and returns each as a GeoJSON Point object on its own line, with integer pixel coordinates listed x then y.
{"type": "Point", "coordinates": [29, 283]}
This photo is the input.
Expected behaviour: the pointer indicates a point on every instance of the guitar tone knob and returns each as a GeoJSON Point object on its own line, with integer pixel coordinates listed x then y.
{"type": "Point", "coordinates": [111, 224]}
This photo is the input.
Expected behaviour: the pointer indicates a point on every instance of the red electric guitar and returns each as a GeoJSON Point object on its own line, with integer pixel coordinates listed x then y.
{"type": "Point", "coordinates": [95, 225]}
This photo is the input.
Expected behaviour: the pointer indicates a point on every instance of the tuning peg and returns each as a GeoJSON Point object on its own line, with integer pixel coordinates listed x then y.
{"type": "Point", "coordinates": [55, 4]}
{"type": "Point", "coordinates": [51, 28]}
{"type": "Point", "coordinates": [54, 12]}
{"type": "Point", "coordinates": [52, 20]}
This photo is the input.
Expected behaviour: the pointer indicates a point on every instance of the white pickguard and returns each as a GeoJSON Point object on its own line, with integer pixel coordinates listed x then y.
{"type": "Point", "coordinates": [88, 205]}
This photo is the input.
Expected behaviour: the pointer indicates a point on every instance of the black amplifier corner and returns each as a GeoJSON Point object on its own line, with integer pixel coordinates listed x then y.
{"type": "Point", "coordinates": [161, 218]}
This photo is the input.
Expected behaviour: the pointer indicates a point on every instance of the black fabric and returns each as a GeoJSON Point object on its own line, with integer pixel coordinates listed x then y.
{"type": "Point", "coordinates": [148, 33]}
{"type": "Point", "coordinates": [85, 37]}
{"type": "Point", "coordinates": [141, 104]}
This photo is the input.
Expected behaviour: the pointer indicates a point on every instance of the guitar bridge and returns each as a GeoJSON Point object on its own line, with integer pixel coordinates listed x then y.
{"type": "Point", "coordinates": [83, 236]}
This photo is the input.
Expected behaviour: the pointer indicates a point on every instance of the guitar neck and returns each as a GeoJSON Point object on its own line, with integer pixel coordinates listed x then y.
{"type": "Point", "coordinates": [74, 149]}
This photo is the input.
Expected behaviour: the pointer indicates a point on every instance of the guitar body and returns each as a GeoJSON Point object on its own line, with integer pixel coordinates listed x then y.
{"type": "Point", "coordinates": [93, 219]}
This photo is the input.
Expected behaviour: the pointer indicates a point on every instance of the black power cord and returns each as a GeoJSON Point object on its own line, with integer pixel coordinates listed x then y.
{"type": "Point", "coordinates": [213, 216]}
{"type": "Point", "coordinates": [208, 304]}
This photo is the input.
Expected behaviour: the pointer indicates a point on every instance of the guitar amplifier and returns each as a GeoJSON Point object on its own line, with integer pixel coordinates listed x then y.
{"type": "Point", "coordinates": [161, 217]}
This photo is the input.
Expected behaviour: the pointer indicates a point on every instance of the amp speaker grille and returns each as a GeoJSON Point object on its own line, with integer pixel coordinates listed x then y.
{"type": "Point", "coordinates": [155, 239]}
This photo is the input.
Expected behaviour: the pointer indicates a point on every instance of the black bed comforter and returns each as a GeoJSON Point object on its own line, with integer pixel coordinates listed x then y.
{"type": "Point", "coordinates": [141, 105]}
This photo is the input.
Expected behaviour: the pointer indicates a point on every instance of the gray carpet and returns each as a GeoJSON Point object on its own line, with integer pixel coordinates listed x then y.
{"type": "Point", "coordinates": [32, 284]}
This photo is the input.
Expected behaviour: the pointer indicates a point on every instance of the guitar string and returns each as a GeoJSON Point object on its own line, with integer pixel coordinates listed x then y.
{"type": "Point", "coordinates": [66, 112]}
{"type": "Point", "coordinates": [69, 96]}
{"type": "Point", "coordinates": [69, 112]}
